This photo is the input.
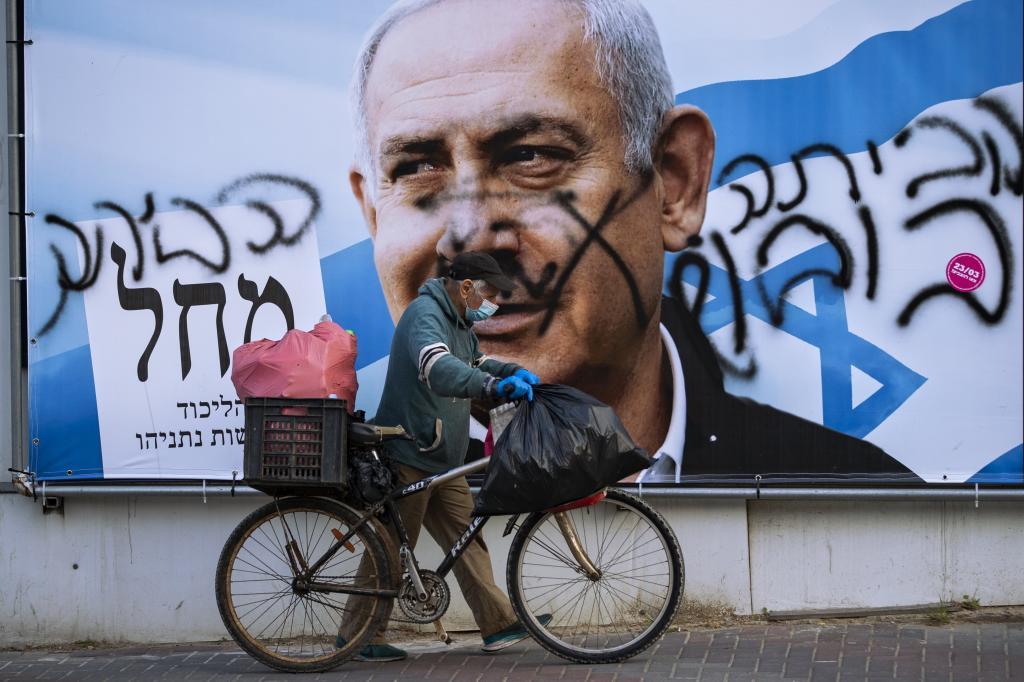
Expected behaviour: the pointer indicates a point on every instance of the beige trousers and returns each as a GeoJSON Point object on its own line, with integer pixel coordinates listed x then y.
{"type": "Point", "coordinates": [445, 511]}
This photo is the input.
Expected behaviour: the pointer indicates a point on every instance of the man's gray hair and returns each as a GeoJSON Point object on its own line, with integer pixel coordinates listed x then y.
{"type": "Point", "coordinates": [630, 65]}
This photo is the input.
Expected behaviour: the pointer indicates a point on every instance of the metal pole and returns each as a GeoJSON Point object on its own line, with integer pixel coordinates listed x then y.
{"type": "Point", "coordinates": [680, 493]}
{"type": "Point", "coordinates": [15, 139]}
{"type": "Point", "coordinates": [934, 493]}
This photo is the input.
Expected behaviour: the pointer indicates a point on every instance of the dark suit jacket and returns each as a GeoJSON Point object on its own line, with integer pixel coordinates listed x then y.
{"type": "Point", "coordinates": [731, 437]}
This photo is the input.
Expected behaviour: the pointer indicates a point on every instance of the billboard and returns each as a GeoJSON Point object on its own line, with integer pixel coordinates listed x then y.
{"type": "Point", "coordinates": [832, 296]}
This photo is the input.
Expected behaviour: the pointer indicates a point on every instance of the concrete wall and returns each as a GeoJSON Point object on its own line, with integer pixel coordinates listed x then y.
{"type": "Point", "coordinates": [807, 555]}
{"type": "Point", "coordinates": [145, 565]}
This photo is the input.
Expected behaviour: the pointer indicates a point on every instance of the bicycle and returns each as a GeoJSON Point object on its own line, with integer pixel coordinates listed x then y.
{"type": "Point", "coordinates": [595, 581]}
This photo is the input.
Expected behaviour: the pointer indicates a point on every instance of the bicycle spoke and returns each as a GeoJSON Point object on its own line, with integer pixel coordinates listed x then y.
{"type": "Point", "coordinates": [269, 601]}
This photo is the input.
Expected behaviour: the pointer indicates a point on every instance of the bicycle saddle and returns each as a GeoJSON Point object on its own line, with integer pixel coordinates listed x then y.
{"type": "Point", "coordinates": [370, 434]}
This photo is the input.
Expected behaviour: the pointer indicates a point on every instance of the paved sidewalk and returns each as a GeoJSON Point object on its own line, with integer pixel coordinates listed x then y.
{"type": "Point", "coordinates": [988, 651]}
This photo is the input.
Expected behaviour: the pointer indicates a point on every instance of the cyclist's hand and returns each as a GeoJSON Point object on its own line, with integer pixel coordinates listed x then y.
{"type": "Point", "coordinates": [527, 376]}
{"type": "Point", "coordinates": [514, 388]}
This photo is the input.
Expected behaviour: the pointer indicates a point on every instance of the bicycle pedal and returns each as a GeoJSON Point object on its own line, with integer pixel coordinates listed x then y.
{"type": "Point", "coordinates": [442, 634]}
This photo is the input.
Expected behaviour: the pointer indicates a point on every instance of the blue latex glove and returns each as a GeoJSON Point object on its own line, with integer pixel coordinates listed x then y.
{"type": "Point", "coordinates": [527, 376]}
{"type": "Point", "coordinates": [514, 388]}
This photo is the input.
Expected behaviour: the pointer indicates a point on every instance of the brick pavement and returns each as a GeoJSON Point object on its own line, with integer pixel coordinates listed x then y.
{"type": "Point", "coordinates": [987, 651]}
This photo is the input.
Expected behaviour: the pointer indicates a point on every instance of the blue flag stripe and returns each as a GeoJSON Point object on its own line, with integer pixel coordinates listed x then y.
{"type": "Point", "coordinates": [872, 92]}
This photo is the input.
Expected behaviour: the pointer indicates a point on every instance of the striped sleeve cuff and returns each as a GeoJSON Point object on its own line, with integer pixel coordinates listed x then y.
{"type": "Point", "coordinates": [429, 355]}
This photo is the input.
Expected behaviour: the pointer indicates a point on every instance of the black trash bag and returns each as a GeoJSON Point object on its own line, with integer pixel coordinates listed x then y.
{"type": "Point", "coordinates": [562, 446]}
{"type": "Point", "coordinates": [372, 477]}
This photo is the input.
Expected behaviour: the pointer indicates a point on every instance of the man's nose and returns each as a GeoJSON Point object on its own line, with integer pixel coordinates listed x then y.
{"type": "Point", "coordinates": [479, 217]}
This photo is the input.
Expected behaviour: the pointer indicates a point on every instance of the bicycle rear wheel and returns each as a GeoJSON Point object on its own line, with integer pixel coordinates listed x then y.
{"type": "Point", "coordinates": [615, 614]}
{"type": "Point", "coordinates": [274, 617]}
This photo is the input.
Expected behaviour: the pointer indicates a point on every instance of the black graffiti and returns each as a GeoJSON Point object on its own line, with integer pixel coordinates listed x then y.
{"type": "Point", "coordinates": [734, 289]}
{"type": "Point", "coordinates": [1014, 177]}
{"type": "Point", "coordinates": [270, 179]}
{"type": "Point", "coordinates": [547, 291]}
{"type": "Point", "coordinates": [217, 262]}
{"type": "Point", "coordinates": [222, 263]}
{"type": "Point", "coordinates": [969, 170]}
{"type": "Point", "coordinates": [812, 150]}
{"type": "Point", "coordinates": [997, 229]}
{"type": "Point", "coordinates": [876, 161]}
{"type": "Point", "coordinates": [65, 283]}
{"type": "Point", "coordinates": [675, 283]}
{"type": "Point", "coordinates": [993, 154]}
{"type": "Point", "coordinates": [871, 237]}
{"type": "Point", "coordinates": [980, 154]}
{"type": "Point", "coordinates": [844, 277]}
{"type": "Point", "coordinates": [140, 260]}
{"type": "Point", "coordinates": [751, 212]}
{"type": "Point", "coordinates": [593, 233]}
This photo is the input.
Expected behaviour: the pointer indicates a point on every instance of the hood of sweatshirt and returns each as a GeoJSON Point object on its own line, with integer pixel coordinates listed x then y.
{"type": "Point", "coordinates": [435, 289]}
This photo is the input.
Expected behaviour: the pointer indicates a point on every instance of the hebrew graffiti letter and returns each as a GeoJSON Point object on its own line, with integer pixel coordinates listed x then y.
{"type": "Point", "coordinates": [996, 227]}
{"type": "Point", "coordinates": [225, 256]}
{"type": "Point", "coordinates": [279, 236]}
{"type": "Point", "coordinates": [90, 270]}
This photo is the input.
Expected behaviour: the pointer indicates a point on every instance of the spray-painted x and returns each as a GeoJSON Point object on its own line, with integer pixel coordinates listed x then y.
{"type": "Point", "coordinates": [593, 236]}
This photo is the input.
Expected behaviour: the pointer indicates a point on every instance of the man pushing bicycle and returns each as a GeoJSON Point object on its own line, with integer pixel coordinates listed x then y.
{"type": "Point", "coordinates": [435, 370]}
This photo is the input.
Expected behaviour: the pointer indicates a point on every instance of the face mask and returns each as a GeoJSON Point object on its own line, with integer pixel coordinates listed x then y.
{"type": "Point", "coordinates": [486, 309]}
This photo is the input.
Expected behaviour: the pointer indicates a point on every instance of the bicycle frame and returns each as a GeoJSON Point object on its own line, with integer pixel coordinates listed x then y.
{"type": "Point", "coordinates": [304, 571]}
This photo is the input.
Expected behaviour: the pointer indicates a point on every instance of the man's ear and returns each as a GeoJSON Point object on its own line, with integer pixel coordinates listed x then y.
{"type": "Point", "coordinates": [363, 196]}
{"type": "Point", "coordinates": [685, 152]}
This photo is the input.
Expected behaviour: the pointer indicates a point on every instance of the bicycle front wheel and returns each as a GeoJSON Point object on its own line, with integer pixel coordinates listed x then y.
{"type": "Point", "coordinates": [604, 616]}
{"type": "Point", "coordinates": [282, 621]}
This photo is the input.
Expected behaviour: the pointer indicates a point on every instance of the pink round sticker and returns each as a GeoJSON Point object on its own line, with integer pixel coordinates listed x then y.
{"type": "Point", "coordinates": [965, 272]}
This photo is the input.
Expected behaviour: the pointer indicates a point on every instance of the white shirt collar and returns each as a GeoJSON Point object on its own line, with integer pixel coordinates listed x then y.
{"type": "Point", "coordinates": [675, 437]}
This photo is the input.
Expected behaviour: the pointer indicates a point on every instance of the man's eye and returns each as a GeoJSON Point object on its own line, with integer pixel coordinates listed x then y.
{"type": "Point", "coordinates": [413, 168]}
{"type": "Point", "coordinates": [536, 160]}
{"type": "Point", "coordinates": [523, 154]}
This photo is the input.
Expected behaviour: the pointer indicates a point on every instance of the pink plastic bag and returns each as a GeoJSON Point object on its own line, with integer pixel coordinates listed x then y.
{"type": "Point", "coordinates": [312, 364]}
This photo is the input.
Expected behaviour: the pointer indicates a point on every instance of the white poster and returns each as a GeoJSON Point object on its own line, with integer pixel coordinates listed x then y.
{"type": "Point", "coordinates": [161, 342]}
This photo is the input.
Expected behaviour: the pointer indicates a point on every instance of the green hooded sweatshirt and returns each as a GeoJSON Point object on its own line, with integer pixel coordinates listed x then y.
{"type": "Point", "coordinates": [435, 370]}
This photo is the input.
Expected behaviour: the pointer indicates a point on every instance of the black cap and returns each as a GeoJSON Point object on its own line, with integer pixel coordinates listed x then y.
{"type": "Point", "coordinates": [480, 265]}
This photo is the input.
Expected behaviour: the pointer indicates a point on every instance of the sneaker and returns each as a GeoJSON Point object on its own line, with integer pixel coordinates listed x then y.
{"type": "Point", "coordinates": [375, 653]}
{"type": "Point", "coordinates": [511, 635]}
